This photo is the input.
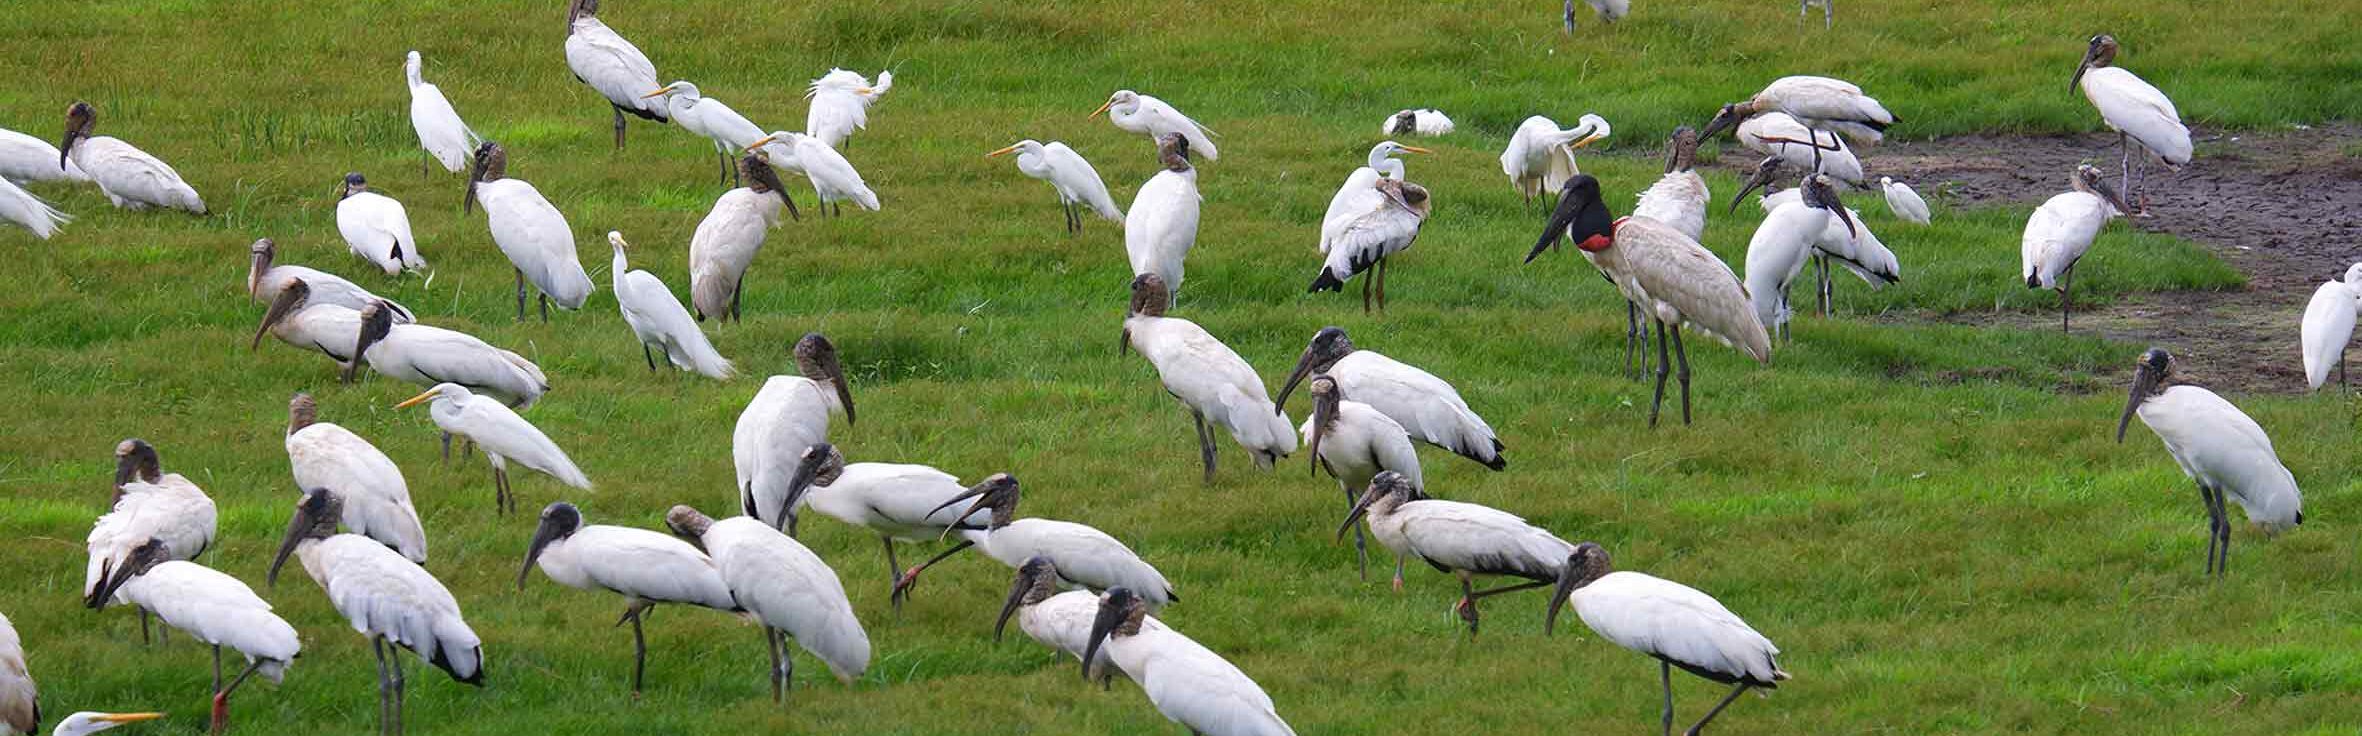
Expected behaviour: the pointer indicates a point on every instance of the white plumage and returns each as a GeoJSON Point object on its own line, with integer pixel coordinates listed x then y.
{"type": "Point", "coordinates": [1426, 121]}
{"type": "Point", "coordinates": [427, 356]}
{"type": "Point", "coordinates": [1084, 556]}
{"type": "Point", "coordinates": [29, 212]}
{"type": "Point", "coordinates": [1190, 684]}
{"type": "Point", "coordinates": [376, 498]}
{"type": "Point", "coordinates": [1367, 240]}
{"type": "Point", "coordinates": [25, 159]}
{"type": "Point", "coordinates": [131, 178]}
{"type": "Point", "coordinates": [839, 104]}
{"type": "Point", "coordinates": [1463, 539]}
{"type": "Point", "coordinates": [218, 610]}
{"type": "Point", "coordinates": [1541, 157]}
{"type": "Point", "coordinates": [787, 416]}
{"type": "Point", "coordinates": [788, 588]}
{"type": "Point", "coordinates": [327, 329]}
{"type": "Point", "coordinates": [1208, 378]}
{"type": "Point", "coordinates": [2061, 231]}
{"type": "Point", "coordinates": [894, 501]}
{"type": "Point", "coordinates": [1426, 407]}
{"type": "Point", "coordinates": [20, 699]}
{"type": "Point", "coordinates": [1902, 200]}
{"type": "Point", "coordinates": [2220, 448]}
{"type": "Point", "coordinates": [1671, 622]}
{"type": "Point", "coordinates": [267, 281]}
{"type": "Point", "coordinates": [1161, 227]}
{"type": "Point", "coordinates": [833, 178]}
{"type": "Point", "coordinates": [2329, 325]}
{"type": "Point", "coordinates": [1361, 443]}
{"type": "Point", "coordinates": [707, 117]}
{"type": "Point", "coordinates": [1769, 133]}
{"type": "Point", "coordinates": [1679, 198]}
{"type": "Point", "coordinates": [149, 504]}
{"type": "Point", "coordinates": [1776, 254]}
{"type": "Point", "coordinates": [377, 228]}
{"type": "Point", "coordinates": [501, 434]}
{"type": "Point", "coordinates": [1359, 196]}
{"type": "Point", "coordinates": [530, 231]}
{"type": "Point", "coordinates": [727, 240]}
{"type": "Point", "coordinates": [2132, 106]}
{"type": "Point", "coordinates": [1078, 184]}
{"type": "Point", "coordinates": [1141, 114]}
{"type": "Point", "coordinates": [1063, 622]}
{"type": "Point", "coordinates": [1818, 102]}
{"type": "Point", "coordinates": [635, 563]}
{"type": "Point", "coordinates": [610, 65]}
{"type": "Point", "coordinates": [657, 319]}
{"type": "Point", "coordinates": [1855, 248]}
{"type": "Point", "coordinates": [441, 133]}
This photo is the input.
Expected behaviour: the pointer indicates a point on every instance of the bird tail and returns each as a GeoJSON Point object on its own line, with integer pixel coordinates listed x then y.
{"type": "Point", "coordinates": [699, 355]}
{"type": "Point", "coordinates": [1326, 281]}
{"type": "Point", "coordinates": [458, 651]}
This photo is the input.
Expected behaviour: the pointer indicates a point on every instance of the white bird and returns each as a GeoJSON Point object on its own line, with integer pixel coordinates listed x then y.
{"type": "Point", "coordinates": [427, 356]}
{"type": "Point", "coordinates": [1356, 442]}
{"type": "Point", "coordinates": [1828, 11]}
{"type": "Point", "coordinates": [1188, 683]}
{"type": "Point", "coordinates": [610, 65]}
{"type": "Point", "coordinates": [20, 698]}
{"type": "Point", "coordinates": [148, 504]}
{"type": "Point", "coordinates": [2220, 448]}
{"type": "Point", "coordinates": [708, 117]}
{"type": "Point", "coordinates": [1461, 539]}
{"type": "Point", "coordinates": [391, 600]}
{"type": "Point", "coordinates": [1427, 407]}
{"type": "Point", "coordinates": [25, 159]}
{"type": "Point", "coordinates": [376, 227]}
{"type": "Point", "coordinates": [783, 585]}
{"type": "Point", "coordinates": [1843, 238]}
{"type": "Point", "coordinates": [29, 212]}
{"type": "Point", "coordinates": [1077, 183]}
{"type": "Point", "coordinates": [1085, 557]}
{"type": "Point", "coordinates": [1058, 620]}
{"type": "Point", "coordinates": [376, 498]}
{"type": "Point", "coordinates": [1133, 112]}
{"type": "Point", "coordinates": [1775, 134]}
{"type": "Point", "coordinates": [893, 500]}
{"type": "Point", "coordinates": [215, 608]}
{"type": "Point", "coordinates": [1609, 11]}
{"type": "Point", "coordinates": [1541, 157]}
{"type": "Point", "coordinates": [657, 318]}
{"type": "Point", "coordinates": [728, 238]}
{"type": "Point", "coordinates": [1368, 239]}
{"type": "Point", "coordinates": [645, 567]}
{"type": "Point", "coordinates": [530, 231]}
{"type": "Point", "coordinates": [2061, 231]}
{"type": "Point", "coordinates": [787, 416]}
{"type": "Point", "coordinates": [1671, 622]}
{"type": "Point", "coordinates": [266, 280]}
{"type": "Point", "coordinates": [1788, 236]}
{"type": "Point", "coordinates": [503, 435]}
{"type": "Point", "coordinates": [2134, 109]}
{"type": "Point", "coordinates": [839, 104]}
{"type": "Point", "coordinates": [1207, 377]}
{"type": "Point", "coordinates": [1903, 201]}
{"type": "Point", "coordinates": [1162, 224]}
{"type": "Point", "coordinates": [1359, 195]}
{"type": "Point", "coordinates": [442, 136]}
{"type": "Point", "coordinates": [1425, 121]}
{"type": "Point", "coordinates": [85, 723]}
{"type": "Point", "coordinates": [1679, 198]}
{"type": "Point", "coordinates": [328, 329]}
{"type": "Point", "coordinates": [131, 178]}
{"type": "Point", "coordinates": [2329, 326]}
{"type": "Point", "coordinates": [1820, 103]}
{"type": "Point", "coordinates": [833, 178]}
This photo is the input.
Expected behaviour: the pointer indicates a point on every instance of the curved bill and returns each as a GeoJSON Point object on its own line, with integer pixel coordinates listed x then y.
{"type": "Point", "coordinates": [1302, 371]}
{"type": "Point", "coordinates": [975, 493]}
{"type": "Point", "coordinates": [1009, 607]}
{"type": "Point", "coordinates": [543, 535]}
{"type": "Point", "coordinates": [2144, 381]}
{"type": "Point", "coordinates": [1111, 613]}
{"type": "Point", "coordinates": [1360, 508]}
{"type": "Point", "coordinates": [296, 527]}
{"type": "Point", "coordinates": [280, 309]}
{"type": "Point", "coordinates": [1558, 597]}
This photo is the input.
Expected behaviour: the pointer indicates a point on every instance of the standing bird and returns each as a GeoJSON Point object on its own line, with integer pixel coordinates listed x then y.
{"type": "Point", "coordinates": [657, 318]}
{"type": "Point", "coordinates": [791, 591]}
{"type": "Point", "coordinates": [1207, 377]}
{"type": "Point", "coordinates": [29, 212]}
{"type": "Point", "coordinates": [1188, 683]}
{"type": "Point", "coordinates": [610, 65]}
{"type": "Point", "coordinates": [148, 504]}
{"type": "Point", "coordinates": [1671, 622]}
{"type": "Point", "coordinates": [426, 356]}
{"type": "Point", "coordinates": [789, 415]}
{"type": "Point", "coordinates": [1461, 539]}
{"type": "Point", "coordinates": [1085, 557]}
{"type": "Point", "coordinates": [1162, 224]}
{"type": "Point", "coordinates": [1360, 193]}
{"type": "Point", "coordinates": [20, 699]}
{"type": "Point", "coordinates": [391, 600]}
{"type": "Point", "coordinates": [645, 567]}
{"type": "Point", "coordinates": [1077, 183]}
{"type": "Point", "coordinates": [1058, 620]}
{"type": "Point", "coordinates": [376, 227]}
{"type": "Point", "coordinates": [1357, 442]}
{"type": "Point", "coordinates": [131, 178]}
{"type": "Point", "coordinates": [530, 231]}
{"type": "Point", "coordinates": [2061, 231]}
{"type": "Point", "coordinates": [25, 159]}
{"type": "Point", "coordinates": [833, 178]}
{"type": "Point", "coordinates": [1775, 134]}
{"type": "Point", "coordinates": [376, 498]}
{"type": "Point", "coordinates": [1541, 157]}
{"type": "Point", "coordinates": [839, 104]}
{"type": "Point", "coordinates": [1425, 121]}
{"type": "Point", "coordinates": [709, 118]}
{"type": "Point", "coordinates": [895, 501]}
{"type": "Point", "coordinates": [1786, 238]}
{"type": "Point", "coordinates": [2135, 110]}
{"type": "Point", "coordinates": [2220, 448]}
{"type": "Point", "coordinates": [1368, 238]}
{"type": "Point", "coordinates": [1680, 197]}
{"type": "Point", "coordinates": [728, 238]}
{"type": "Point", "coordinates": [1820, 103]}
{"type": "Point", "coordinates": [1847, 241]}
{"type": "Point", "coordinates": [1133, 112]}
{"type": "Point", "coordinates": [2329, 326]}
{"type": "Point", "coordinates": [215, 608]}
{"type": "Point", "coordinates": [503, 435]}
{"type": "Point", "coordinates": [1609, 11]}
{"type": "Point", "coordinates": [442, 136]}
{"type": "Point", "coordinates": [266, 280]}
{"type": "Point", "coordinates": [1903, 201]}
{"type": "Point", "coordinates": [1426, 406]}
{"type": "Point", "coordinates": [1828, 11]}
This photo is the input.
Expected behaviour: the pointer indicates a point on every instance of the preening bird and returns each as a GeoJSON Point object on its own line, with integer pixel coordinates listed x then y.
{"type": "Point", "coordinates": [709, 118]}
{"type": "Point", "coordinates": [502, 434]}
{"type": "Point", "coordinates": [328, 329]}
{"type": "Point", "coordinates": [266, 279]}
{"type": "Point", "coordinates": [1188, 683]}
{"type": "Point", "coordinates": [1609, 11]}
{"type": "Point", "coordinates": [1460, 539]}
{"type": "Point", "coordinates": [1366, 240]}
{"type": "Point", "coordinates": [530, 231]}
{"type": "Point", "coordinates": [1162, 224]}
{"type": "Point", "coordinates": [2218, 447]}
{"type": "Point", "coordinates": [1778, 135]}
{"type": "Point", "coordinates": [611, 66]}
{"type": "Point", "coordinates": [1360, 194]}
{"type": "Point", "coordinates": [895, 501]}
{"type": "Point", "coordinates": [1427, 407]}
{"type": "Point", "coordinates": [1903, 201]}
{"type": "Point", "coordinates": [1207, 377]}
{"type": "Point", "coordinates": [789, 415]}
{"type": "Point", "coordinates": [1843, 238]}
{"type": "Point", "coordinates": [833, 178]}
{"type": "Point", "coordinates": [25, 159]}
{"type": "Point", "coordinates": [426, 356]}
{"type": "Point", "coordinates": [1077, 183]}
{"type": "Point", "coordinates": [1541, 157]}
{"type": "Point", "coordinates": [728, 238]}
{"type": "Point", "coordinates": [442, 136]}
{"type": "Point", "coordinates": [1820, 103]}
{"type": "Point", "coordinates": [2135, 110]}
{"type": "Point", "coordinates": [1058, 620]}
{"type": "Point", "coordinates": [1426, 121]}
{"type": "Point", "coordinates": [149, 504]}
{"type": "Point", "coordinates": [791, 591]}
{"type": "Point", "coordinates": [1085, 557]}
{"type": "Point", "coordinates": [839, 104]}
{"type": "Point", "coordinates": [376, 498]}
{"type": "Point", "coordinates": [376, 227]}
{"type": "Point", "coordinates": [2329, 325]}
{"type": "Point", "coordinates": [645, 567]}
{"type": "Point", "coordinates": [1133, 112]}
{"type": "Point", "coordinates": [131, 178]}
{"type": "Point", "coordinates": [215, 608]}
{"type": "Point", "coordinates": [2061, 231]}
{"type": "Point", "coordinates": [1671, 622]}
{"type": "Point", "coordinates": [20, 698]}
{"type": "Point", "coordinates": [1356, 442]}
{"type": "Point", "coordinates": [29, 212]}
{"type": "Point", "coordinates": [657, 318]}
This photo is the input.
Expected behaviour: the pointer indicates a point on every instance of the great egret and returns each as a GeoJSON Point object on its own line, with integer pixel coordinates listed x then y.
{"type": "Point", "coordinates": [657, 318]}
{"type": "Point", "coordinates": [1077, 183]}
{"type": "Point", "coordinates": [610, 65]}
{"type": "Point", "coordinates": [502, 434]}
{"type": "Point", "coordinates": [131, 178]}
{"type": "Point", "coordinates": [530, 231]}
{"type": "Point", "coordinates": [442, 136]}
{"type": "Point", "coordinates": [708, 117]}
{"type": "Point", "coordinates": [2329, 325]}
{"type": "Point", "coordinates": [376, 227]}
{"type": "Point", "coordinates": [839, 104]}
{"type": "Point", "coordinates": [833, 178]}
{"type": "Point", "coordinates": [424, 355]}
{"type": "Point", "coordinates": [1133, 112]}
{"type": "Point", "coordinates": [1541, 157]}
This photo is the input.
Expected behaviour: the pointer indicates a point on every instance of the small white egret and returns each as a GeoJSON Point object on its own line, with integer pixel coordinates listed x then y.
{"type": "Point", "coordinates": [1077, 183]}
{"type": "Point", "coordinates": [657, 318]}
{"type": "Point", "coordinates": [1137, 113]}
{"type": "Point", "coordinates": [1902, 200]}
{"type": "Point", "coordinates": [376, 227]}
{"type": "Point", "coordinates": [442, 136]}
{"type": "Point", "coordinates": [131, 178]}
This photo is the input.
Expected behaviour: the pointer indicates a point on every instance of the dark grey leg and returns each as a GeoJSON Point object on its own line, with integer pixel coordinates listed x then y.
{"type": "Point", "coordinates": [639, 642]}
{"type": "Point", "coordinates": [221, 696]}
{"type": "Point", "coordinates": [385, 689]}
{"type": "Point", "coordinates": [1665, 676]}
{"type": "Point", "coordinates": [401, 686]}
{"type": "Point", "coordinates": [1664, 368]}
{"type": "Point", "coordinates": [446, 448]}
{"type": "Point", "coordinates": [644, 355]}
{"type": "Point", "coordinates": [893, 568]}
{"type": "Point", "coordinates": [736, 315]}
{"type": "Point", "coordinates": [1205, 443]}
{"type": "Point", "coordinates": [1681, 354]}
{"type": "Point", "coordinates": [520, 293]}
{"type": "Point", "coordinates": [618, 127]}
{"type": "Point", "coordinates": [545, 309]}
{"type": "Point", "coordinates": [1365, 292]}
{"type": "Point", "coordinates": [1631, 333]}
{"type": "Point", "coordinates": [1726, 701]}
{"type": "Point", "coordinates": [1381, 283]}
{"type": "Point", "coordinates": [2213, 525]}
{"type": "Point", "coordinates": [2066, 297]}
{"type": "Point", "coordinates": [217, 668]}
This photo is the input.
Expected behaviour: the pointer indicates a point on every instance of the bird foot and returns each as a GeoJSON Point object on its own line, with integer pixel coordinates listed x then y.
{"type": "Point", "coordinates": [1467, 610]}
{"type": "Point", "coordinates": [903, 583]}
{"type": "Point", "coordinates": [221, 712]}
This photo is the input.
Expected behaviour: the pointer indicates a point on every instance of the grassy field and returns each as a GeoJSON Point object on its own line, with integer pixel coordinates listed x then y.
{"type": "Point", "coordinates": [1931, 520]}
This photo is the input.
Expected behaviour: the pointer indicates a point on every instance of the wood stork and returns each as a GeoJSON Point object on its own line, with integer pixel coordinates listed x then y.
{"type": "Point", "coordinates": [1162, 224]}
{"type": "Point", "coordinates": [1671, 622]}
{"type": "Point", "coordinates": [266, 279]}
{"type": "Point", "coordinates": [29, 212]}
{"type": "Point", "coordinates": [2061, 231]}
{"type": "Point", "coordinates": [442, 136]}
{"type": "Point", "coordinates": [1207, 377]}
{"type": "Point", "coordinates": [391, 600]}
{"type": "Point", "coordinates": [1360, 194]}
{"type": "Point", "coordinates": [148, 504]}
{"type": "Point", "coordinates": [325, 328]}
{"type": "Point", "coordinates": [20, 698]}
{"type": "Point", "coordinates": [789, 415]}
{"type": "Point", "coordinates": [2220, 448]}
{"type": "Point", "coordinates": [1058, 620]}
{"type": "Point", "coordinates": [728, 238]}
{"type": "Point", "coordinates": [657, 318]}
{"type": "Point", "coordinates": [1775, 134]}
{"type": "Point", "coordinates": [894, 500]}
{"type": "Point", "coordinates": [131, 178]}
{"type": "Point", "coordinates": [1425, 121]}
{"type": "Point", "coordinates": [610, 65]}
{"type": "Point", "coordinates": [2135, 110]}
{"type": "Point", "coordinates": [1609, 11]}
{"type": "Point", "coordinates": [215, 608]}
{"type": "Point", "coordinates": [1828, 12]}
{"type": "Point", "coordinates": [1188, 683]}
{"type": "Point", "coordinates": [427, 356]}
{"type": "Point", "coordinates": [1683, 282]}
{"type": "Point", "coordinates": [85, 723]}
{"type": "Point", "coordinates": [529, 230]}
{"type": "Point", "coordinates": [503, 435]}
{"type": "Point", "coordinates": [1367, 239]}
{"type": "Point", "coordinates": [25, 159]}
{"type": "Point", "coordinates": [1680, 197]}
{"type": "Point", "coordinates": [1085, 557]}
{"type": "Point", "coordinates": [1541, 157]}
{"type": "Point", "coordinates": [1820, 103]}
{"type": "Point", "coordinates": [1077, 183]}
{"type": "Point", "coordinates": [2329, 326]}
{"type": "Point", "coordinates": [1427, 407]}
{"type": "Point", "coordinates": [376, 498]}
{"type": "Point", "coordinates": [790, 590]}
{"type": "Point", "coordinates": [833, 178]}
{"type": "Point", "coordinates": [1461, 539]}
{"type": "Point", "coordinates": [1360, 442]}
{"type": "Point", "coordinates": [1786, 238]}
{"type": "Point", "coordinates": [839, 104]}
{"type": "Point", "coordinates": [645, 567]}
{"type": "Point", "coordinates": [1903, 201]}
{"type": "Point", "coordinates": [1133, 112]}
{"type": "Point", "coordinates": [376, 227]}
{"type": "Point", "coordinates": [1843, 238]}
{"type": "Point", "coordinates": [709, 118]}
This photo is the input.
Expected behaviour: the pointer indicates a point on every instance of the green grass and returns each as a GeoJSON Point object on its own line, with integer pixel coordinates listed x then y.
{"type": "Point", "coordinates": [1931, 520]}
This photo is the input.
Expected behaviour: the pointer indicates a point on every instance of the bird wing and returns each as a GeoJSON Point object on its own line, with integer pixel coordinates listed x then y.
{"type": "Point", "coordinates": [1195, 687]}
{"type": "Point", "coordinates": [500, 431]}
{"type": "Point", "coordinates": [720, 119]}
{"type": "Point", "coordinates": [24, 209]}
{"type": "Point", "coordinates": [1660, 617]}
{"type": "Point", "coordinates": [1386, 228]}
{"type": "Point", "coordinates": [602, 59]}
{"type": "Point", "coordinates": [829, 171]}
{"type": "Point", "coordinates": [438, 355]}
{"type": "Point", "coordinates": [440, 130]}
{"type": "Point", "coordinates": [20, 702]}
{"type": "Point", "coordinates": [653, 308]}
{"type": "Point", "coordinates": [1072, 172]}
{"type": "Point", "coordinates": [1676, 271]}
{"type": "Point", "coordinates": [1482, 539]}
{"type": "Point", "coordinates": [1083, 555]}
{"type": "Point", "coordinates": [216, 608]}
{"type": "Point", "coordinates": [376, 498]}
{"type": "Point", "coordinates": [2130, 104]}
{"type": "Point", "coordinates": [383, 594]}
{"type": "Point", "coordinates": [651, 565]}
{"type": "Point", "coordinates": [787, 586]}
{"type": "Point", "coordinates": [129, 173]}
{"type": "Point", "coordinates": [1427, 407]}
{"type": "Point", "coordinates": [907, 494]}
{"type": "Point", "coordinates": [1357, 196]}
{"type": "Point", "coordinates": [2058, 234]}
{"type": "Point", "coordinates": [2328, 326]}
{"type": "Point", "coordinates": [1677, 199]}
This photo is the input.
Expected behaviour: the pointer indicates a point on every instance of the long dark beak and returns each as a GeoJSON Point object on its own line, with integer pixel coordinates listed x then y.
{"type": "Point", "coordinates": [259, 265]}
{"type": "Point", "coordinates": [797, 486]}
{"type": "Point", "coordinates": [295, 532]}
{"type": "Point", "coordinates": [1558, 595]}
{"type": "Point", "coordinates": [2109, 193]}
{"type": "Point", "coordinates": [1754, 181]}
{"type": "Point", "coordinates": [2143, 381]}
{"type": "Point", "coordinates": [1360, 507]}
{"type": "Point", "coordinates": [1323, 412]}
{"type": "Point", "coordinates": [379, 324]}
{"type": "Point", "coordinates": [543, 535]}
{"type": "Point", "coordinates": [1123, 346]}
{"type": "Point", "coordinates": [280, 309]}
{"type": "Point", "coordinates": [1009, 608]}
{"type": "Point", "coordinates": [112, 579]}
{"type": "Point", "coordinates": [974, 493]}
{"type": "Point", "coordinates": [1105, 622]}
{"type": "Point", "coordinates": [67, 146]}
{"type": "Point", "coordinates": [792, 212]}
{"type": "Point", "coordinates": [1722, 121]}
{"type": "Point", "coordinates": [1847, 218]}
{"type": "Point", "coordinates": [1303, 369]}
{"type": "Point", "coordinates": [2077, 82]}
{"type": "Point", "coordinates": [475, 173]}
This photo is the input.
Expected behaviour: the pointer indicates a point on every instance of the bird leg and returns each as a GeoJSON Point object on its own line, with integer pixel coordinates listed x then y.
{"type": "Point", "coordinates": [771, 641]}
{"type": "Point", "coordinates": [1205, 442]}
{"type": "Point", "coordinates": [735, 314]}
{"type": "Point", "coordinates": [144, 639]}
{"type": "Point", "coordinates": [632, 613]}
{"type": "Point", "coordinates": [1664, 367]}
{"type": "Point", "coordinates": [1682, 373]}
{"type": "Point", "coordinates": [446, 448]}
{"type": "Point", "coordinates": [647, 357]}
{"type": "Point", "coordinates": [2124, 145]}
{"type": "Point", "coordinates": [221, 696]}
{"type": "Point", "coordinates": [2222, 525]}
{"type": "Point", "coordinates": [910, 577]}
{"type": "Point", "coordinates": [217, 668]}
{"type": "Point", "coordinates": [893, 568]}
{"type": "Point", "coordinates": [1665, 676]}
{"type": "Point", "coordinates": [385, 689]}
{"type": "Point", "coordinates": [2066, 297]}
{"type": "Point", "coordinates": [401, 684]}
{"type": "Point", "coordinates": [1467, 605]}
{"type": "Point", "coordinates": [423, 157]}
{"type": "Point", "coordinates": [1381, 283]}
{"type": "Point", "coordinates": [1828, 14]}
{"type": "Point", "coordinates": [1365, 292]}
{"type": "Point", "coordinates": [1726, 701]}
{"type": "Point", "coordinates": [1631, 335]}
{"type": "Point", "coordinates": [1361, 542]}
{"type": "Point", "coordinates": [1398, 573]}
{"type": "Point", "coordinates": [618, 125]}
{"type": "Point", "coordinates": [545, 309]}
{"type": "Point", "coordinates": [2206, 496]}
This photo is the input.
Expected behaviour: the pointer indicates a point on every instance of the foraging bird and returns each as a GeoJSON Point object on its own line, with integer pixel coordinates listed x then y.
{"type": "Point", "coordinates": [1425, 121]}
{"type": "Point", "coordinates": [388, 599]}
{"type": "Point", "coordinates": [1427, 407]}
{"type": "Point", "coordinates": [783, 585]}
{"type": "Point", "coordinates": [1609, 11]}
{"type": "Point", "coordinates": [1775, 134]}
{"type": "Point", "coordinates": [1903, 201]}
{"type": "Point", "coordinates": [376, 498]}
{"type": "Point", "coordinates": [789, 415]}
{"type": "Point", "coordinates": [2061, 231]}
{"type": "Point", "coordinates": [611, 65]}
{"type": "Point", "coordinates": [131, 178]}
{"type": "Point", "coordinates": [1367, 239]}
{"type": "Point", "coordinates": [1077, 183]}
{"type": "Point", "coordinates": [25, 159]}
{"type": "Point", "coordinates": [2135, 110]}
{"type": "Point", "coordinates": [2329, 325]}
{"type": "Point", "coordinates": [1133, 112]}
{"type": "Point", "coordinates": [839, 104]}
{"type": "Point", "coordinates": [376, 227]}
{"type": "Point", "coordinates": [29, 212]}
{"type": "Point", "coordinates": [728, 238]}
{"type": "Point", "coordinates": [215, 608]}
{"type": "Point", "coordinates": [1085, 557]}
{"type": "Point", "coordinates": [1789, 235]}
{"type": "Point", "coordinates": [1820, 103]}
{"type": "Point", "coordinates": [1058, 620]}
{"type": "Point", "coordinates": [1357, 442]}
{"type": "Point", "coordinates": [709, 118]}
{"type": "Point", "coordinates": [1541, 157]}
{"type": "Point", "coordinates": [645, 567]}
{"type": "Point", "coordinates": [20, 698]}
{"type": "Point", "coordinates": [427, 356]}
{"type": "Point", "coordinates": [328, 329]}
{"type": "Point", "coordinates": [1162, 224]}
{"type": "Point", "coordinates": [1188, 683]}
{"type": "Point", "coordinates": [1207, 377]}
{"type": "Point", "coordinates": [529, 230]}
{"type": "Point", "coordinates": [148, 504]}
{"type": "Point", "coordinates": [1360, 194]}
{"type": "Point", "coordinates": [657, 318]}
{"type": "Point", "coordinates": [1828, 11]}
{"type": "Point", "coordinates": [503, 435]}
{"type": "Point", "coordinates": [895, 501]}
{"type": "Point", "coordinates": [1462, 539]}
{"type": "Point", "coordinates": [2218, 447]}
{"type": "Point", "coordinates": [1671, 622]}
{"type": "Point", "coordinates": [442, 136]}
{"type": "Point", "coordinates": [833, 178]}
{"type": "Point", "coordinates": [267, 280]}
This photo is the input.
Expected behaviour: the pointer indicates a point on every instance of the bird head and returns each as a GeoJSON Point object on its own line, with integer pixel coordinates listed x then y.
{"type": "Point", "coordinates": [1588, 562]}
{"type": "Point", "coordinates": [1037, 580]}
{"type": "Point", "coordinates": [135, 459]}
{"type": "Point", "coordinates": [816, 359]}
{"type": "Point", "coordinates": [259, 260]}
{"type": "Point", "coordinates": [2099, 55]}
{"type": "Point", "coordinates": [302, 411]}
{"type": "Point", "coordinates": [1727, 118]}
{"type": "Point", "coordinates": [1328, 346]}
{"type": "Point", "coordinates": [2089, 178]}
{"type": "Point", "coordinates": [1327, 400]}
{"type": "Point", "coordinates": [2148, 378]}
{"type": "Point", "coordinates": [1123, 102]}
{"type": "Point", "coordinates": [315, 517]}
{"type": "Point", "coordinates": [559, 520]}
{"type": "Point", "coordinates": [1390, 487]}
{"type": "Point", "coordinates": [1581, 216]}
{"type": "Point", "coordinates": [80, 118]}
{"type": "Point", "coordinates": [1120, 611]}
{"type": "Point", "coordinates": [143, 558]}
{"type": "Point", "coordinates": [491, 164]}
{"type": "Point", "coordinates": [1681, 151]}
{"type": "Point", "coordinates": [86, 722]}
{"type": "Point", "coordinates": [1821, 191]}
{"type": "Point", "coordinates": [688, 524]}
{"type": "Point", "coordinates": [353, 184]}
{"type": "Point", "coordinates": [820, 465]}
{"type": "Point", "coordinates": [998, 493]}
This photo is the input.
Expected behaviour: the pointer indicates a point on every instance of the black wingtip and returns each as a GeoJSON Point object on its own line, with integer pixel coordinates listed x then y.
{"type": "Point", "coordinates": [442, 661]}
{"type": "Point", "coordinates": [1498, 463]}
{"type": "Point", "coordinates": [1325, 282]}
{"type": "Point", "coordinates": [2033, 281]}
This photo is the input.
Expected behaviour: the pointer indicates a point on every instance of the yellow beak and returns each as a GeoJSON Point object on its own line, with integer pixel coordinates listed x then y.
{"type": "Point", "coordinates": [129, 717]}
{"type": "Point", "coordinates": [416, 400]}
{"type": "Point", "coordinates": [862, 91]}
{"type": "Point", "coordinates": [1588, 140]}
{"type": "Point", "coordinates": [750, 148]}
{"type": "Point", "coordinates": [1102, 108]}
{"type": "Point", "coordinates": [656, 93]}
{"type": "Point", "coordinates": [1000, 152]}
{"type": "Point", "coordinates": [1415, 149]}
